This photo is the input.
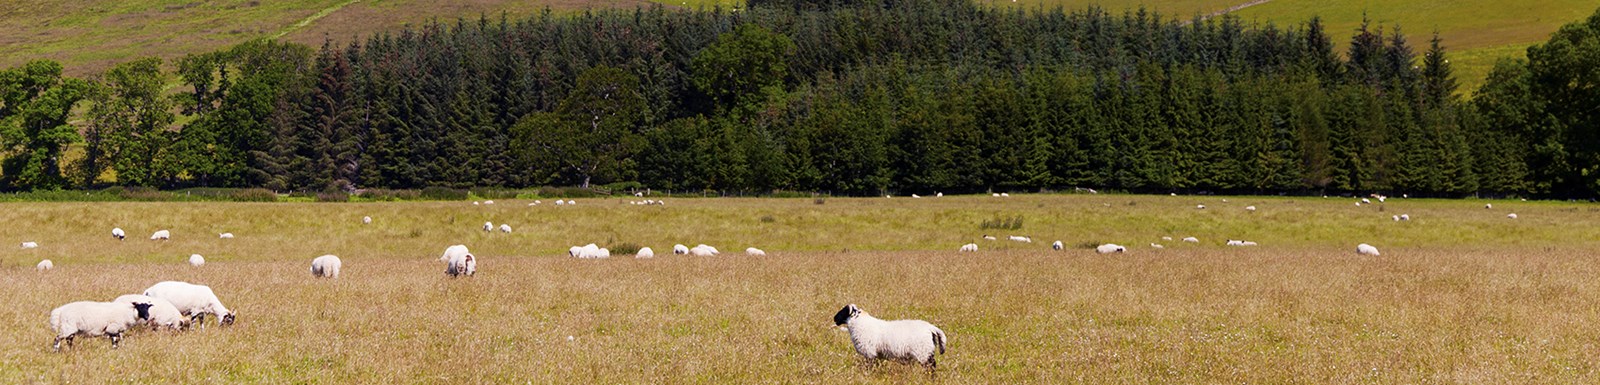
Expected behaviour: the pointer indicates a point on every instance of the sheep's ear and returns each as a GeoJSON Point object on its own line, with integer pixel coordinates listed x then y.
{"type": "Point", "coordinates": [844, 315]}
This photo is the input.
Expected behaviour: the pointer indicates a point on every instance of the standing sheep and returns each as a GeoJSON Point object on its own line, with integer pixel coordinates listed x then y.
{"type": "Point", "coordinates": [196, 260]}
{"type": "Point", "coordinates": [1512, 215]}
{"type": "Point", "coordinates": [326, 266]}
{"type": "Point", "coordinates": [680, 249]}
{"type": "Point", "coordinates": [116, 232]}
{"type": "Point", "coordinates": [95, 319]}
{"type": "Point", "coordinates": [488, 227]}
{"type": "Point", "coordinates": [193, 300]}
{"type": "Point", "coordinates": [505, 228]}
{"type": "Point", "coordinates": [163, 314]}
{"type": "Point", "coordinates": [900, 340]}
{"type": "Point", "coordinates": [969, 248]}
{"type": "Point", "coordinates": [1366, 249]}
{"type": "Point", "coordinates": [366, 220]}
{"type": "Point", "coordinates": [458, 261]}
{"type": "Point", "coordinates": [645, 252]}
{"type": "Point", "coordinates": [1057, 245]}
{"type": "Point", "coordinates": [45, 265]}
{"type": "Point", "coordinates": [163, 235]}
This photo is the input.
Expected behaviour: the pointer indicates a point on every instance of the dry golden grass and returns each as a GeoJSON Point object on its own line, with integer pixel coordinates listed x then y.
{"type": "Point", "coordinates": [1453, 299]}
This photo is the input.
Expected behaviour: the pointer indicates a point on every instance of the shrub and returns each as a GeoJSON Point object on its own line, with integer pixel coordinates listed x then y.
{"type": "Point", "coordinates": [625, 248]}
{"type": "Point", "coordinates": [333, 196]}
{"type": "Point", "coordinates": [444, 194]}
{"type": "Point", "coordinates": [494, 193]}
{"type": "Point", "coordinates": [768, 219]}
{"type": "Point", "coordinates": [390, 195]}
{"type": "Point", "coordinates": [254, 195]}
{"type": "Point", "coordinates": [1002, 223]}
{"type": "Point", "coordinates": [566, 192]}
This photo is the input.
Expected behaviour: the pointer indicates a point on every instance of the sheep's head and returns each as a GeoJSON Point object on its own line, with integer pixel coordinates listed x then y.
{"type": "Point", "coordinates": [227, 319]}
{"type": "Point", "coordinates": [844, 315]}
{"type": "Point", "coordinates": [143, 309]}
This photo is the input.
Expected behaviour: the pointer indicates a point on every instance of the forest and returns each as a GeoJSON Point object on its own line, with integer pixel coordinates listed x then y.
{"type": "Point", "coordinates": [844, 97]}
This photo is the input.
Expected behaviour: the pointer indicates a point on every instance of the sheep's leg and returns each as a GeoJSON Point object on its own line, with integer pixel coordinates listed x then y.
{"type": "Point", "coordinates": [932, 364]}
{"type": "Point", "coordinates": [57, 346]}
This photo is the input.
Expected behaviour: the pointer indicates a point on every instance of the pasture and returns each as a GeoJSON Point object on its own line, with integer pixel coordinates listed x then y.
{"type": "Point", "coordinates": [1461, 294]}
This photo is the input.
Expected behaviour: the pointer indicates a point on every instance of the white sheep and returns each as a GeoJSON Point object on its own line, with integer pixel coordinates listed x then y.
{"type": "Point", "coordinates": [366, 220]}
{"type": "Point", "coordinates": [1166, 238]}
{"type": "Point", "coordinates": [45, 265]}
{"type": "Point", "coordinates": [163, 314]}
{"type": "Point", "coordinates": [996, 195]}
{"type": "Point", "coordinates": [912, 341]}
{"type": "Point", "coordinates": [703, 251]}
{"type": "Point", "coordinates": [505, 228]}
{"type": "Point", "coordinates": [326, 266]}
{"type": "Point", "coordinates": [1200, 207]}
{"type": "Point", "coordinates": [193, 300]}
{"type": "Point", "coordinates": [989, 237]}
{"type": "Point", "coordinates": [1249, 208]}
{"type": "Point", "coordinates": [1110, 248]}
{"type": "Point", "coordinates": [1405, 217]}
{"type": "Point", "coordinates": [560, 202]}
{"type": "Point", "coordinates": [488, 227]}
{"type": "Point", "coordinates": [645, 252]}
{"type": "Point", "coordinates": [226, 236]}
{"type": "Point", "coordinates": [116, 232]}
{"type": "Point", "coordinates": [1366, 201]}
{"type": "Point", "coordinates": [1488, 206]}
{"type": "Point", "coordinates": [1366, 249]}
{"type": "Point", "coordinates": [92, 319]}
{"type": "Point", "coordinates": [488, 202]}
{"type": "Point", "coordinates": [1019, 238]}
{"type": "Point", "coordinates": [1512, 215]}
{"type": "Point", "coordinates": [755, 252]}
{"type": "Point", "coordinates": [196, 260]}
{"type": "Point", "coordinates": [458, 261]}
{"type": "Point", "coordinates": [970, 247]}
{"type": "Point", "coordinates": [1240, 243]}
{"type": "Point", "coordinates": [915, 196]}
{"type": "Point", "coordinates": [938, 195]}
{"type": "Point", "coordinates": [1057, 245]}
{"type": "Point", "coordinates": [475, 203]}
{"type": "Point", "coordinates": [30, 245]}
{"type": "Point", "coordinates": [1005, 195]}
{"type": "Point", "coordinates": [680, 249]}
{"type": "Point", "coordinates": [1396, 217]}
{"type": "Point", "coordinates": [1157, 246]}
{"type": "Point", "coordinates": [1358, 204]}
{"type": "Point", "coordinates": [161, 235]}
{"type": "Point", "coordinates": [1191, 240]}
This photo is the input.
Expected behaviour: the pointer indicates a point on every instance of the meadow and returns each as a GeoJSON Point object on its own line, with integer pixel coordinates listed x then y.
{"type": "Point", "coordinates": [1461, 294]}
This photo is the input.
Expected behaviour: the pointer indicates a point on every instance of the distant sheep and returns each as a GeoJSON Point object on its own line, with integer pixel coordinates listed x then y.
{"type": "Point", "coordinates": [1240, 243]}
{"type": "Point", "coordinates": [1200, 207]}
{"type": "Point", "coordinates": [326, 266]}
{"type": "Point", "coordinates": [901, 340]}
{"type": "Point", "coordinates": [1395, 217]}
{"type": "Point", "coordinates": [226, 236]}
{"type": "Point", "coordinates": [645, 252]}
{"type": "Point", "coordinates": [458, 261]}
{"type": "Point", "coordinates": [1110, 248]}
{"type": "Point", "coordinates": [488, 202]}
{"type": "Point", "coordinates": [1019, 238]}
{"type": "Point", "coordinates": [1366, 201]}
{"type": "Point", "coordinates": [1405, 217]}
{"type": "Point", "coordinates": [970, 247]}
{"type": "Point", "coordinates": [366, 220]}
{"type": "Point", "coordinates": [488, 227]}
{"type": "Point", "coordinates": [1057, 246]}
{"type": "Point", "coordinates": [196, 260]}
{"type": "Point", "coordinates": [1488, 205]}
{"type": "Point", "coordinates": [1366, 249]}
{"type": "Point", "coordinates": [163, 314]}
{"type": "Point", "coordinates": [117, 233]}
{"type": "Point", "coordinates": [1249, 208]}
{"type": "Point", "coordinates": [1191, 240]}
{"type": "Point", "coordinates": [30, 245]}
{"type": "Point", "coordinates": [680, 249]}
{"type": "Point", "coordinates": [989, 237]}
{"type": "Point", "coordinates": [755, 252]}
{"type": "Point", "coordinates": [95, 319]}
{"type": "Point", "coordinates": [161, 235]}
{"type": "Point", "coordinates": [505, 228]}
{"type": "Point", "coordinates": [1512, 215]}
{"type": "Point", "coordinates": [1005, 195]}
{"type": "Point", "coordinates": [1157, 246]}
{"type": "Point", "coordinates": [45, 265]}
{"type": "Point", "coordinates": [590, 251]}
{"type": "Point", "coordinates": [193, 300]}
{"type": "Point", "coordinates": [703, 251]}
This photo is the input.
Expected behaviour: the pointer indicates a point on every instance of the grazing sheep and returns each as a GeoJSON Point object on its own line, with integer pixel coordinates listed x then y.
{"type": "Point", "coordinates": [1366, 249]}
{"type": "Point", "coordinates": [680, 249]}
{"type": "Point", "coordinates": [970, 247]}
{"type": "Point", "coordinates": [1358, 204]}
{"type": "Point", "coordinates": [938, 195]}
{"type": "Point", "coordinates": [1057, 245]}
{"type": "Point", "coordinates": [458, 261]}
{"type": "Point", "coordinates": [703, 251]}
{"type": "Point", "coordinates": [645, 252]}
{"type": "Point", "coordinates": [1157, 246]}
{"type": "Point", "coordinates": [1488, 205]}
{"type": "Point", "coordinates": [989, 237]}
{"type": "Point", "coordinates": [116, 232]}
{"type": "Point", "coordinates": [326, 266]}
{"type": "Point", "coordinates": [366, 220]}
{"type": "Point", "coordinates": [95, 319]}
{"type": "Point", "coordinates": [1166, 238]}
{"type": "Point", "coordinates": [1396, 217]}
{"type": "Point", "coordinates": [560, 202]}
{"type": "Point", "coordinates": [1405, 217]}
{"type": "Point", "coordinates": [196, 260]}
{"type": "Point", "coordinates": [901, 340]}
{"type": "Point", "coordinates": [1019, 238]}
{"type": "Point", "coordinates": [1005, 195]}
{"type": "Point", "coordinates": [488, 202]}
{"type": "Point", "coordinates": [1512, 215]}
{"type": "Point", "coordinates": [915, 196]}
{"type": "Point", "coordinates": [505, 228]}
{"type": "Point", "coordinates": [996, 195]}
{"type": "Point", "coordinates": [1110, 248]}
{"type": "Point", "coordinates": [226, 236]}
{"type": "Point", "coordinates": [1249, 208]}
{"type": "Point", "coordinates": [161, 235]}
{"type": "Point", "coordinates": [755, 252]}
{"type": "Point", "coordinates": [193, 300]}
{"type": "Point", "coordinates": [1200, 207]}
{"type": "Point", "coordinates": [1366, 201]}
{"type": "Point", "coordinates": [163, 314]}
{"type": "Point", "coordinates": [1192, 240]}
{"type": "Point", "coordinates": [45, 265]}
{"type": "Point", "coordinates": [30, 245]}
{"type": "Point", "coordinates": [1240, 243]}
{"type": "Point", "coordinates": [475, 203]}
{"type": "Point", "coordinates": [488, 227]}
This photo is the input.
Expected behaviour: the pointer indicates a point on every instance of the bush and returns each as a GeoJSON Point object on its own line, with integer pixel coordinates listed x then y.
{"type": "Point", "coordinates": [444, 194]}
{"type": "Point", "coordinates": [146, 194]}
{"type": "Point", "coordinates": [494, 193]}
{"type": "Point", "coordinates": [566, 192]}
{"type": "Point", "coordinates": [1002, 223]}
{"type": "Point", "coordinates": [390, 195]}
{"type": "Point", "coordinates": [625, 248]}
{"type": "Point", "coordinates": [254, 195]}
{"type": "Point", "coordinates": [333, 196]}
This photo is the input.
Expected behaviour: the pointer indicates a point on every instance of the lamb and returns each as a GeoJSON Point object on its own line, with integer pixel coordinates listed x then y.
{"type": "Point", "coordinates": [226, 236]}
{"type": "Point", "coordinates": [703, 251]}
{"type": "Point", "coordinates": [196, 260]}
{"type": "Point", "coordinates": [968, 248]}
{"type": "Point", "coordinates": [1019, 238]}
{"type": "Point", "coordinates": [1057, 245]}
{"type": "Point", "coordinates": [901, 340]}
{"type": "Point", "coordinates": [505, 228]}
{"type": "Point", "coordinates": [366, 220]}
{"type": "Point", "coordinates": [458, 261]}
{"type": "Point", "coordinates": [1366, 249]}
{"type": "Point", "coordinates": [161, 235]}
{"type": "Point", "coordinates": [488, 227]}
{"type": "Point", "coordinates": [95, 319]}
{"type": "Point", "coordinates": [755, 252]}
{"type": "Point", "coordinates": [30, 245]}
{"type": "Point", "coordinates": [680, 249]}
{"type": "Point", "coordinates": [45, 265]}
{"type": "Point", "coordinates": [326, 266]}
{"type": "Point", "coordinates": [116, 232]}
{"type": "Point", "coordinates": [193, 300]}
{"type": "Point", "coordinates": [645, 252]}
{"type": "Point", "coordinates": [1110, 248]}
{"type": "Point", "coordinates": [163, 314]}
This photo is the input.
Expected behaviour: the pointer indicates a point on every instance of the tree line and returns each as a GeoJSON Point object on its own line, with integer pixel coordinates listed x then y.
{"type": "Point", "coordinates": [849, 97]}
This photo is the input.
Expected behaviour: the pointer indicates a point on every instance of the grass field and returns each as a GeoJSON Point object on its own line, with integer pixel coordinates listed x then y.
{"type": "Point", "coordinates": [1462, 294]}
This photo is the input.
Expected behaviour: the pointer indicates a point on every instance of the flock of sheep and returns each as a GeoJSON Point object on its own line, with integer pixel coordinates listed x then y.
{"type": "Point", "coordinates": [167, 305]}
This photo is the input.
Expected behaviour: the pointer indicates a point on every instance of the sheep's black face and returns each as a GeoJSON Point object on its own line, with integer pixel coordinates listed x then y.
{"type": "Point", "coordinates": [143, 309]}
{"type": "Point", "coordinates": [227, 319]}
{"type": "Point", "coordinates": [844, 315]}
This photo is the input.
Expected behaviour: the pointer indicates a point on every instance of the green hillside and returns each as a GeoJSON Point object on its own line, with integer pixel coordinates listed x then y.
{"type": "Point", "coordinates": [91, 35]}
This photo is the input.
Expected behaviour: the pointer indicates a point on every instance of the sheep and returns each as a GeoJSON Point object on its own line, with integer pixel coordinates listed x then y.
{"type": "Point", "coordinates": [680, 249]}
{"type": "Point", "coordinates": [326, 266]}
{"type": "Point", "coordinates": [1157, 246]}
{"type": "Point", "coordinates": [755, 252]}
{"type": "Point", "coordinates": [475, 203]}
{"type": "Point", "coordinates": [1240, 243]}
{"type": "Point", "coordinates": [1358, 204]}
{"type": "Point", "coordinates": [226, 236]}
{"type": "Point", "coordinates": [196, 260]}
{"type": "Point", "coordinates": [45, 265]}
{"type": "Point", "coordinates": [915, 196]}
{"type": "Point", "coordinates": [1405, 217]}
{"type": "Point", "coordinates": [163, 314]}
{"type": "Point", "coordinates": [1057, 246]}
{"type": "Point", "coordinates": [91, 319]}
{"type": "Point", "coordinates": [1487, 206]}
{"type": "Point", "coordinates": [900, 340]}
{"type": "Point", "coordinates": [1366, 201]}
{"type": "Point", "coordinates": [1191, 240]}
{"type": "Point", "coordinates": [703, 251]}
{"type": "Point", "coordinates": [1396, 217]}
{"type": "Point", "coordinates": [366, 220]}
{"type": "Point", "coordinates": [193, 300]}
{"type": "Point", "coordinates": [996, 195]}
{"type": "Point", "coordinates": [1200, 207]}
{"type": "Point", "coordinates": [1366, 249]}
{"type": "Point", "coordinates": [116, 232]}
{"type": "Point", "coordinates": [1512, 215]}
{"type": "Point", "coordinates": [488, 202]}
{"type": "Point", "coordinates": [488, 227]}
{"type": "Point", "coordinates": [560, 202]}
{"type": "Point", "coordinates": [1110, 248]}
{"type": "Point", "coordinates": [505, 228]}
{"type": "Point", "coordinates": [968, 248]}
{"type": "Point", "coordinates": [30, 245]}
{"type": "Point", "coordinates": [938, 195]}
{"type": "Point", "coordinates": [1249, 208]}
{"type": "Point", "coordinates": [574, 251]}
{"type": "Point", "coordinates": [645, 252]}
{"type": "Point", "coordinates": [989, 237]}
{"type": "Point", "coordinates": [161, 235]}
{"type": "Point", "coordinates": [1005, 195]}
{"type": "Point", "coordinates": [1019, 238]}
{"type": "Point", "coordinates": [458, 261]}
{"type": "Point", "coordinates": [1166, 238]}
